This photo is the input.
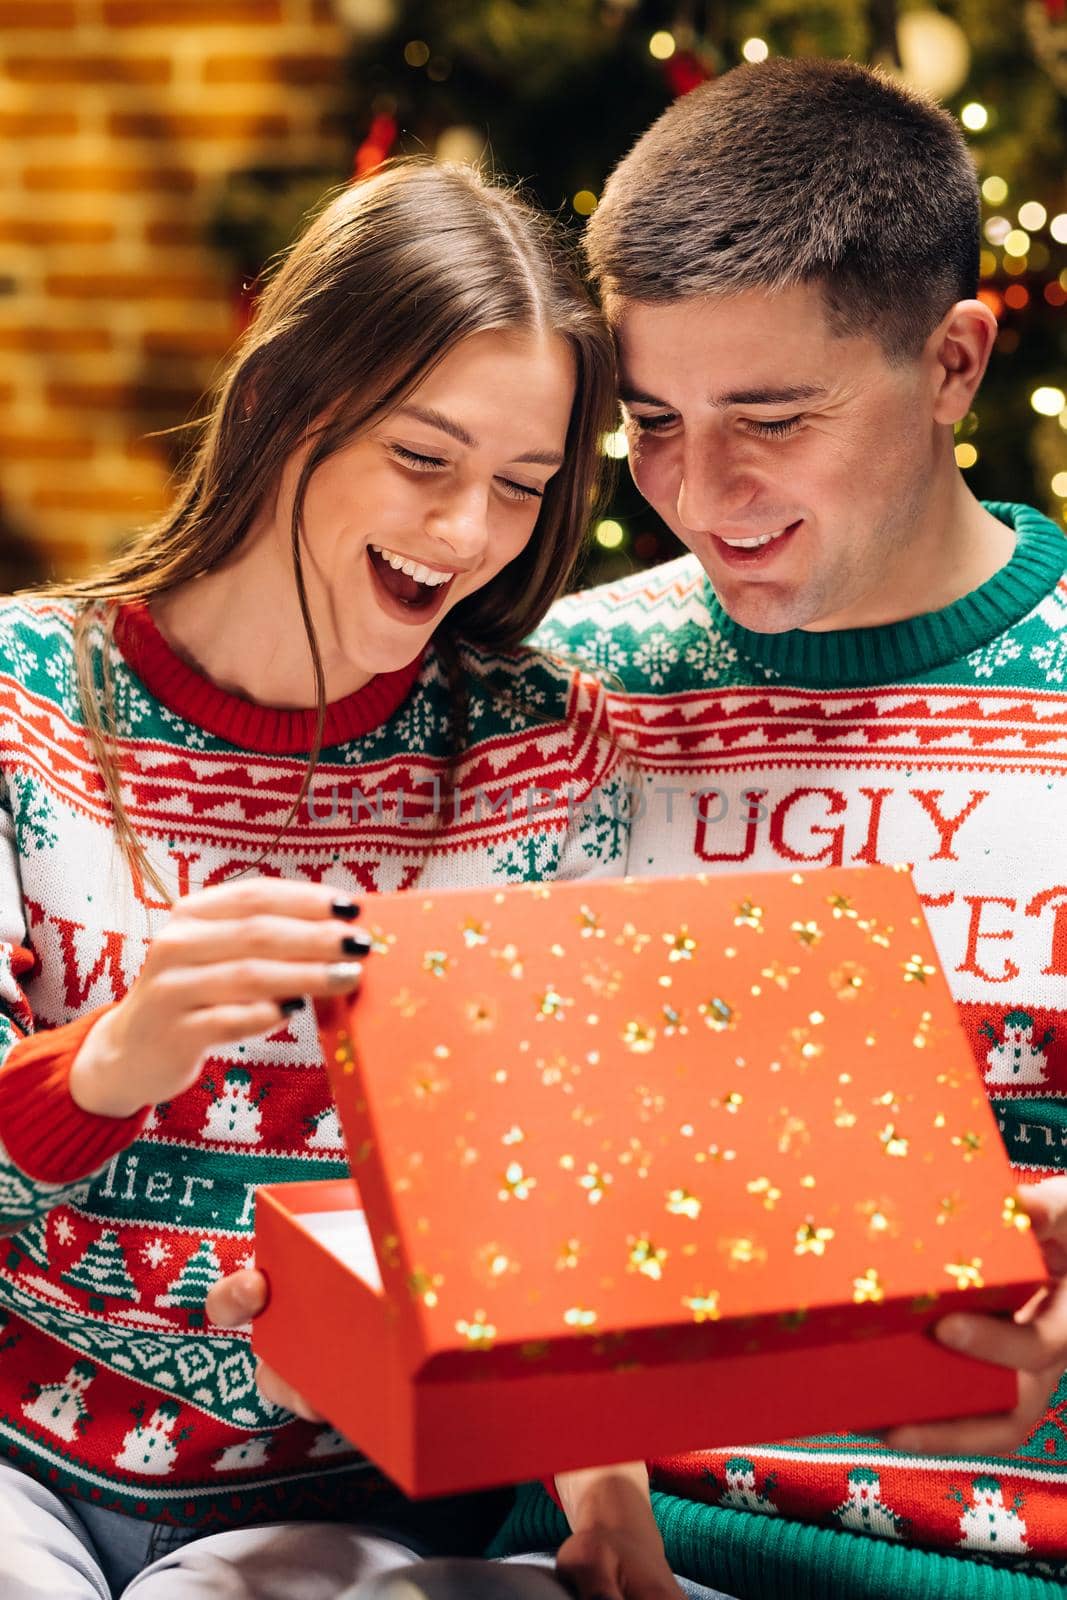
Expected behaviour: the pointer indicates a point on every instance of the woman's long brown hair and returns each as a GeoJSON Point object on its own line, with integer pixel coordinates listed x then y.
{"type": "Point", "coordinates": [391, 276]}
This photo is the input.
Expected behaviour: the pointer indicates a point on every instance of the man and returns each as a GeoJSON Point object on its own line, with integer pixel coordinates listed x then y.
{"type": "Point", "coordinates": [858, 663]}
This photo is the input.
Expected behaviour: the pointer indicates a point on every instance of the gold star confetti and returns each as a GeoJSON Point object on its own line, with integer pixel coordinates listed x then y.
{"type": "Point", "coordinates": [551, 1003]}
{"type": "Point", "coordinates": [718, 1014]}
{"type": "Point", "coordinates": [680, 1203]}
{"type": "Point", "coordinates": [515, 1183]}
{"type": "Point", "coordinates": [479, 1332]}
{"type": "Point", "coordinates": [869, 1287]}
{"type": "Point", "coordinates": [779, 975]}
{"type": "Point", "coordinates": [947, 1207]}
{"type": "Point", "coordinates": [807, 1048]}
{"type": "Point", "coordinates": [474, 932]}
{"type": "Point", "coordinates": [426, 1084]}
{"type": "Point", "coordinates": [705, 1307]}
{"type": "Point", "coordinates": [638, 1037]}
{"type": "Point", "coordinates": [765, 1190]}
{"type": "Point", "coordinates": [480, 1015]}
{"type": "Point", "coordinates": [381, 942]}
{"type": "Point", "coordinates": [594, 1182]}
{"type": "Point", "coordinates": [589, 923]}
{"type": "Point", "coordinates": [436, 962]}
{"type": "Point", "coordinates": [514, 1135]}
{"type": "Point", "coordinates": [579, 1317]}
{"type": "Point", "coordinates": [915, 970]}
{"type": "Point", "coordinates": [967, 1274]}
{"type": "Point", "coordinates": [811, 1239]}
{"type": "Point", "coordinates": [407, 1003]}
{"type": "Point", "coordinates": [922, 1030]}
{"type": "Point", "coordinates": [793, 1128]}
{"type": "Point", "coordinates": [510, 960]}
{"type": "Point", "coordinates": [847, 980]}
{"type": "Point", "coordinates": [1013, 1215]}
{"type": "Point", "coordinates": [731, 1101]}
{"type": "Point", "coordinates": [672, 1021]}
{"type": "Point", "coordinates": [840, 905]}
{"type": "Point", "coordinates": [645, 1258]}
{"type": "Point", "coordinates": [344, 1055]}
{"type": "Point", "coordinates": [423, 1286]}
{"type": "Point", "coordinates": [970, 1143]}
{"type": "Point", "coordinates": [893, 1143]}
{"type": "Point", "coordinates": [569, 1252]}
{"type": "Point", "coordinates": [875, 934]}
{"type": "Point", "coordinates": [682, 944]}
{"type": "Point", "coordinates": [744, 1251]}
{"type": "Point", "coordinates": [877, 1215]}
{"type": "Point", "coordinates": [806, 933]}
{"type": "Point", "coordinates": [748, 915]}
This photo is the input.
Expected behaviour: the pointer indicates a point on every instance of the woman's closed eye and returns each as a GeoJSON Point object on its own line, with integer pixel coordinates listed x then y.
{"type": "Point", "coordinates": [418, 462]}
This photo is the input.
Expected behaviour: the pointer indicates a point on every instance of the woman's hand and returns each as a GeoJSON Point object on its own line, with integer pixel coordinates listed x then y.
{"type": "Point", "coordinates": [1034, 1342]}
{"type": "Point", "coordinates": [235, 1300]}
{"type": "Point", "coordinates": [232, 961]}
{"type": "Point", "coordinates": [615, 1551]}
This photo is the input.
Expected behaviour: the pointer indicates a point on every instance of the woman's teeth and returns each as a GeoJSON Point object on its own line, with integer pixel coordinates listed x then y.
{"type": "Point", "coordinates": [414, 569]}
{"type": "Point", "coordinates": [754, 544]}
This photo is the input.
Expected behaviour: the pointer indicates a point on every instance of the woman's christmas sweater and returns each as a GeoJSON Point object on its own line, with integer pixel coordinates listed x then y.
{"type": "Point", "coordinates": [112, 1388]}
{"type": "Point", "coordinates": [940, 741]}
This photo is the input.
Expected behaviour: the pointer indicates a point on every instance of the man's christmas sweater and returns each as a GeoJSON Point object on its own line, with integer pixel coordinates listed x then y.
{"type": "Point", "coordinates": [940, 741]}
{"type": "Point", "coordinates": [112, 1386]}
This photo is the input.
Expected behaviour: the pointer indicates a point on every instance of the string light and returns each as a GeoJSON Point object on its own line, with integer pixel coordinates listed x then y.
{"type": "Point", "coordinates": [1016, 295]}
{"type": "Point", "coordinates": [987, 264]}
{"type": "Point", "coordinates": [1032, 215]}
{"type": "Point", "coordinates": [995, 190]}
{"type": "Point", "coordinates": [1048, 401]}
{"type": "Point", "coordinates": [966, 455]}
{"type": "Point", "coordinates": [1058, 228]}
{"type": "Point", "coordinates": [755, 50]}
{"type": "Point", "coordinates": [585, 202]}
{"type": "Point", "coordinates": [609, 534]}
{"type": "Point", "coordinates": [1059, 485]}
{"type": "Point", "coordinates": [997, 229]}
{"type": "Point", "coordinates": [416, 52]}
{"type": "Point", "coordinates": [1016, 242]}
{"type": "Point", "coordinates": [662, 45]}
{"type": "Point", "coordinates": [615, 446]}
{"type": "Point", "coordinates": [974, 116]}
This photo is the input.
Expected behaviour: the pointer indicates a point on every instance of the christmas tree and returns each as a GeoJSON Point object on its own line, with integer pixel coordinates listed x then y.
{"type": "Point", "coordinates": [555, 93]}
{"type": "Point", "coordinates": [102, 1270]}
{"type": "Point", "coordinates": [190, 1288]}
{"type": "Point", "coordinates": [31, 1242]}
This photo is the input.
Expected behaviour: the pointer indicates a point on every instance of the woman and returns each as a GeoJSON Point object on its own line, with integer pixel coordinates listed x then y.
{"type": "Point", "coordinates": [302, 685]}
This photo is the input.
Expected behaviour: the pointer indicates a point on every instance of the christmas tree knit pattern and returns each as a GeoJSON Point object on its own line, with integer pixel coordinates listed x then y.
{"type": "Point", "coordinates": [112, 1385]}
{"type": "Point", "coordinates": [941, 742]}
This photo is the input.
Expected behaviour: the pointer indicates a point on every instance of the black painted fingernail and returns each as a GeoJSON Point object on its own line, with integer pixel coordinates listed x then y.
{"type": "Point", "coordinates": [287, 1007]}
{"type": "Point", "coordinates": [356, 944]}
{"type": "Point", "coordinates": [347, 910]}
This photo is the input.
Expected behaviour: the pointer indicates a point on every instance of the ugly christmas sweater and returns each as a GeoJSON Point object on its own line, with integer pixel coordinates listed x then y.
{"type": "Point", "coordinates": [939, 741]}
{"type": "Point", "coordinates": [111, 1386]}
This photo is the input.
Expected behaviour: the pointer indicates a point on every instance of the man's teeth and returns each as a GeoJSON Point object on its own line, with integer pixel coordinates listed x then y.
{"type": "Point", "coordinates": [753, 544]}
{"type": "Point", "coordinates": [414, 569]}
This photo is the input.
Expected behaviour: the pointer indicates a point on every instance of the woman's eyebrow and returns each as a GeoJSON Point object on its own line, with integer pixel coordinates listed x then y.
{"type": "Point", "coordinates": [455, 430]}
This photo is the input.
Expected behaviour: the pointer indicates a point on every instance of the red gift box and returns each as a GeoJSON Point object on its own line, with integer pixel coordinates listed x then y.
{"type": "Point", "coordinates": [644, 1166]}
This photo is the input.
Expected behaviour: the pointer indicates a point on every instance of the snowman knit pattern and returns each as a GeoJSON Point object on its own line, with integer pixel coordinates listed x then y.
{"type": "Point", "coordinates": [939, 741]}
{"type": "Point", "coordinates": [112, 1387]}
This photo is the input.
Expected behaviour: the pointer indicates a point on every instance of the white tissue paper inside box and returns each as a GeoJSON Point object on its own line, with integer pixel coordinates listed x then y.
{"type": "Point", "coordinates": [345, 1234]}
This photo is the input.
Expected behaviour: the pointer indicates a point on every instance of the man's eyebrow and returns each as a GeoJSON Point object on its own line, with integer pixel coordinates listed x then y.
{"type": "Point", "coordinates": [736, 397]}
{"type": "Point", "coordinates": [455, 430]}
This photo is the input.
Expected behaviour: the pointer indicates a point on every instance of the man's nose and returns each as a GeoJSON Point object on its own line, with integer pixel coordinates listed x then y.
{"type": "Point", "coordinates": [713, 487]}
{"type": "Point", "coordinates": [460, 522]}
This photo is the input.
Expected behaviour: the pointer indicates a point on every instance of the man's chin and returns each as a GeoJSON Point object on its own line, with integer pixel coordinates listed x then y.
{"type": "Point", "coordinates": [762, 610]}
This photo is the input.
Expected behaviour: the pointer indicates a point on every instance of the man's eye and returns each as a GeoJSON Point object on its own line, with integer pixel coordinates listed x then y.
{"type": "Point", "coordinates": [412, 458]}
{"type": "Point", "coordinates": [653, 424]}
{"type": "Point", "coordinates": [776, 430]}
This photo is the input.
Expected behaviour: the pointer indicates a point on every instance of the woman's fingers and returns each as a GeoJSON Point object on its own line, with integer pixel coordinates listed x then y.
{"type": "Point", "coordinates": [280, 1393]}
{"type": "Point", "coordinates": [236, 1299]}
{"type": "Point", "coordinates": [251, 897]}
{"type": "Point", "coordinates": [186, 992]}
{"type": "Point", "coordinates": [201, 941]}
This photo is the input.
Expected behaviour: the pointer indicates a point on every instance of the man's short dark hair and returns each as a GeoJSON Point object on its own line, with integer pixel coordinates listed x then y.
{"type": "Point", "coordinates": [798, 172]}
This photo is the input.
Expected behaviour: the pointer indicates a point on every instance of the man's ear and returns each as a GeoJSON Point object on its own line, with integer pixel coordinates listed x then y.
{"type": "Point", "coordinates": [958, 351]}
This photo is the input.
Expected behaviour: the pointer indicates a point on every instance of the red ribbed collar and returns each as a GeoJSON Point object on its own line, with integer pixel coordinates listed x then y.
{"type": "Point", "coordinates": [272, 730]}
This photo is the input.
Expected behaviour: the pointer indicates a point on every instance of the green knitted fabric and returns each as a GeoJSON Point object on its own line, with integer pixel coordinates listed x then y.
{"type": "Point", "coordinates": [756, 1558]}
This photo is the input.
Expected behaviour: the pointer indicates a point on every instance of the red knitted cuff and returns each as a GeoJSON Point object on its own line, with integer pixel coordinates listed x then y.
{"type": "Point", "coordinates": [549, 1486]}
{"type": "Point", "coordinates": [46, 1135]}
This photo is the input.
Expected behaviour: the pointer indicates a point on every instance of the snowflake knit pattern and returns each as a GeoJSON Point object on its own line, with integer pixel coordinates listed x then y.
{"type": "Point", "coordinates": [112, 1388]}
{"type": "Point", "coordinates": [941, 742]}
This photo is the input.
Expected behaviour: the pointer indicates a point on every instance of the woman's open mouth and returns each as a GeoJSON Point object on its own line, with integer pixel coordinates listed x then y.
{"type": "Point", "coordinates": [409, 589]}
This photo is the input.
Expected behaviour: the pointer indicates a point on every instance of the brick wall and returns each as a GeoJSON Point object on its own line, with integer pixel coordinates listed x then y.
{"type": "Point", "coordinates": [119, 120]}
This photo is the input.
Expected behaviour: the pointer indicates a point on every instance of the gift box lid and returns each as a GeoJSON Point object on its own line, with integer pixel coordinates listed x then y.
{"type": "Point", "coordinates": [663, 1112]}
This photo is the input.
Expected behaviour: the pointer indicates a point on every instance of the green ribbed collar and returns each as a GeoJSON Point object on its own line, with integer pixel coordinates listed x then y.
{"type": "Point", "coordinates": [853, 657]}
